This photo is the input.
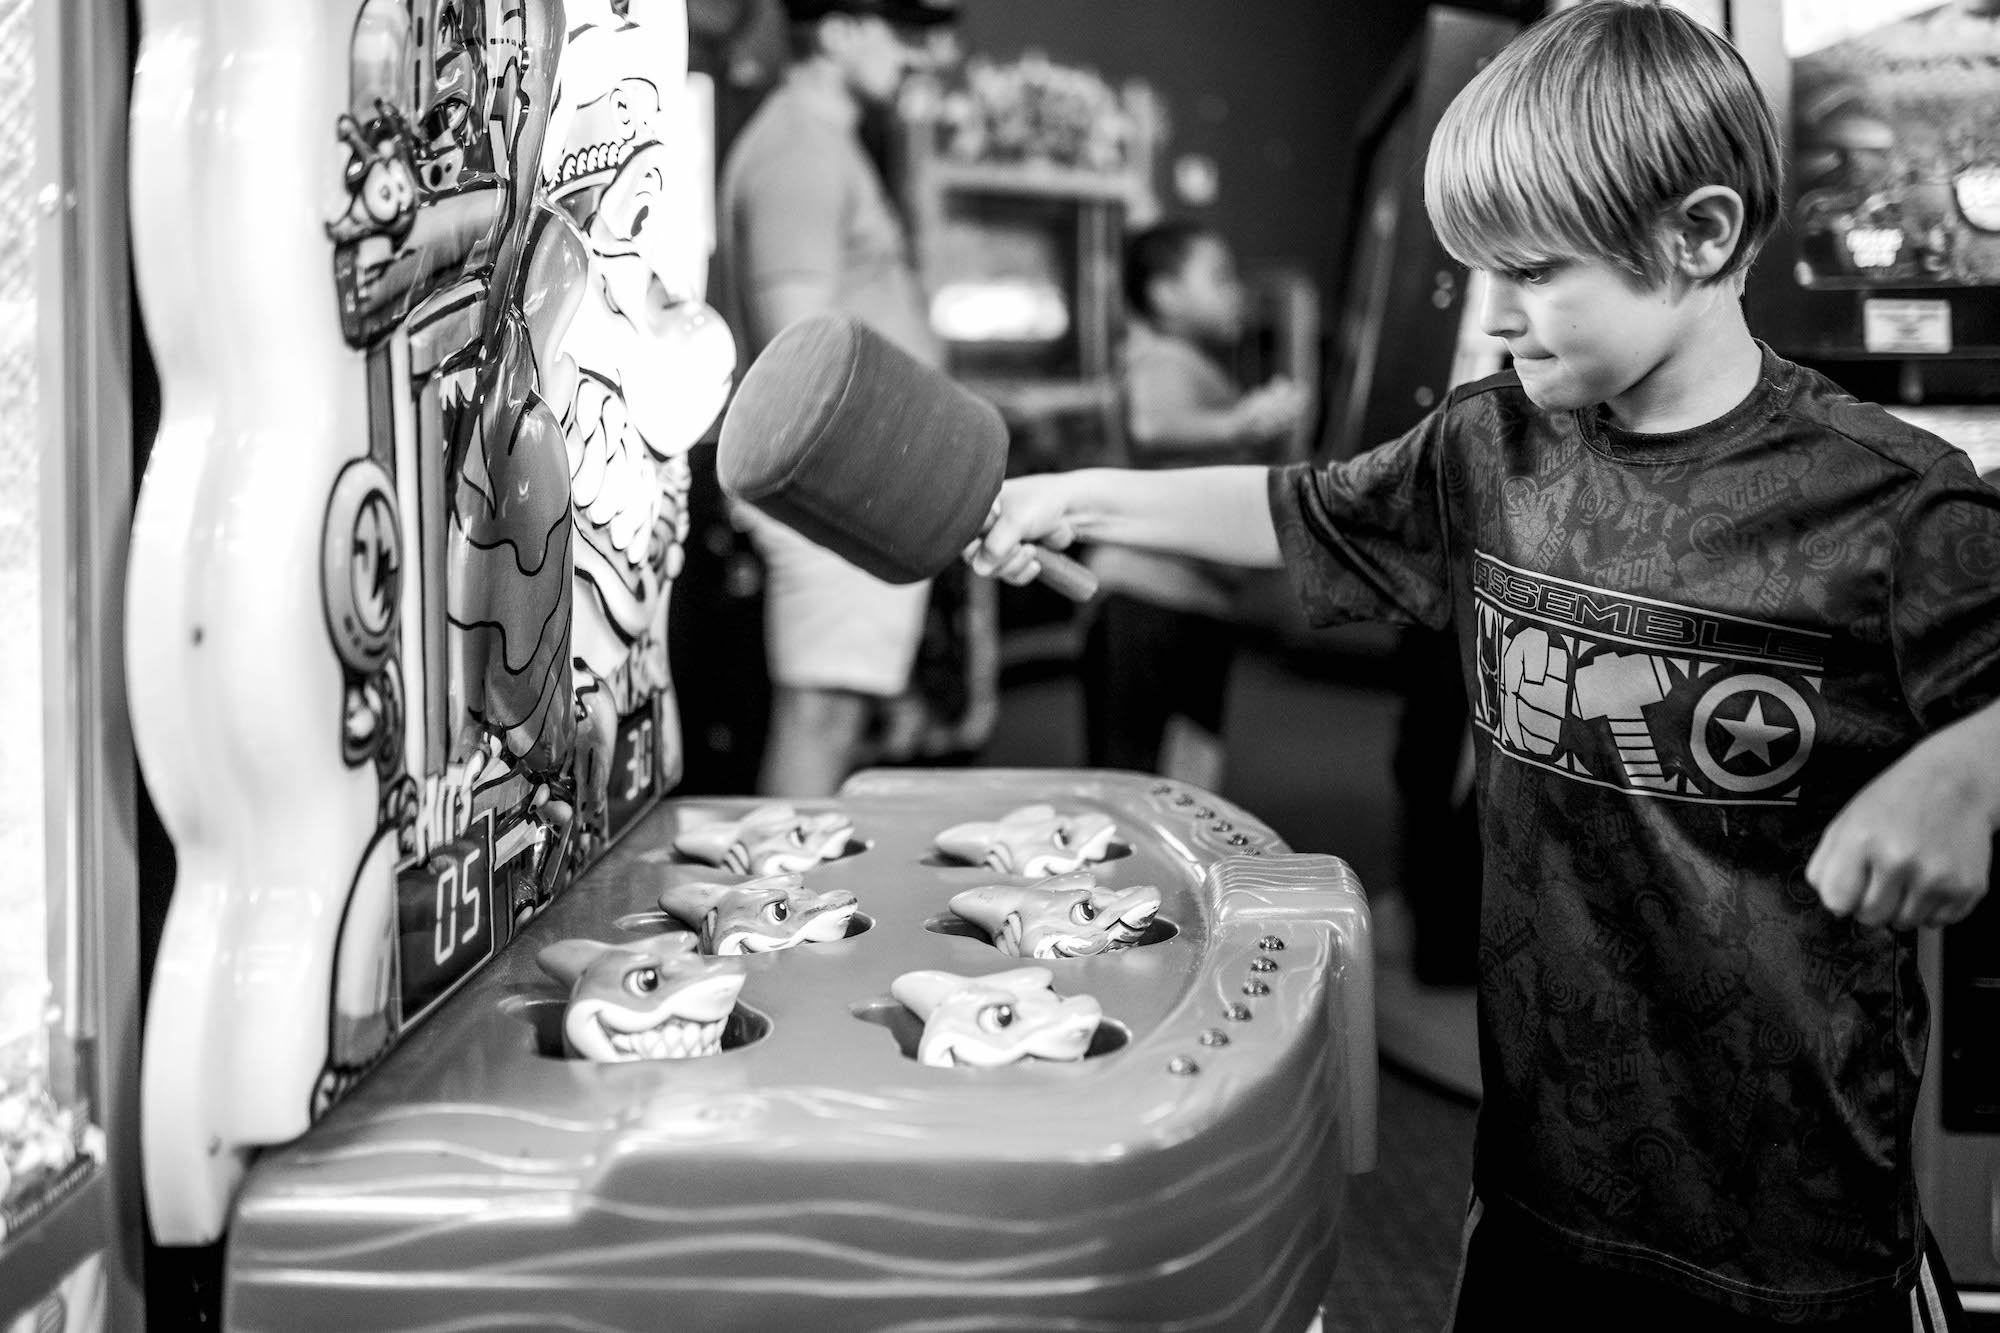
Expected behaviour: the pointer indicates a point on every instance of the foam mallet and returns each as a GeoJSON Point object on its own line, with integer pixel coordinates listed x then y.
{"type": "Point", "coordinates": [844, 437]}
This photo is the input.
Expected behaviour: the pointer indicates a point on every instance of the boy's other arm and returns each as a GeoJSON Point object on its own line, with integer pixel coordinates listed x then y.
{"type": "Point", "coordinates": [1211, 513]}
{"type": "Point", "coordinates": [1169, 429]}
{"type": "Point", "coordinates": [1914, 847]}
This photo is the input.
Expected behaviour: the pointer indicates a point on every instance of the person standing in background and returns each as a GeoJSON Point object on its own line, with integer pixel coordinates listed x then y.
{"type": "Point", "coordinates": [806, 227]}
{"type": "Point", "coordinates": [1157, 656]}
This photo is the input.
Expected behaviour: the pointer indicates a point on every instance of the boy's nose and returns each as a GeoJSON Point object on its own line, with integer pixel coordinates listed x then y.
{"type": "Point", "coordinates": [1499, 313]}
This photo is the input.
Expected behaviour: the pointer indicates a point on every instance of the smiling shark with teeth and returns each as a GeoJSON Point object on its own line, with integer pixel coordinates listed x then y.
{"type": "Point", "coordinates": [769, 840]}
{"type": "Point", "coordinates": [1034, 841]}
{"type": "Point", "coordinates": [650, 999]}
{"type": "Point", "coordinates": [998, 1019]}
{"type": "Point", "coordinates": [760, 915]}
{"type": "Point", "coordinates": [1068, 916]}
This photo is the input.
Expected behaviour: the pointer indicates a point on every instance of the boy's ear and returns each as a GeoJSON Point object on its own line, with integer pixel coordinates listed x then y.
{"type": "Point", "coordinates": [1704, 229]}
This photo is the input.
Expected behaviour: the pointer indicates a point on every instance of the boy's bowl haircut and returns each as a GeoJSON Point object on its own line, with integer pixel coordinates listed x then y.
{"type": "Point", "coordinates": [1582, 135]}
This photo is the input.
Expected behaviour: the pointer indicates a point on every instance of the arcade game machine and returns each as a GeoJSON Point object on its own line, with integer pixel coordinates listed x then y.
{"type": "Point", "coordinates": [1407, 333]}
{"type": "Point", "coordinates": [1407, 330]}
{"type": "Point", "coordinates": [1887, 279]}
{"type": "Point", "coordinates": [455, 1021]}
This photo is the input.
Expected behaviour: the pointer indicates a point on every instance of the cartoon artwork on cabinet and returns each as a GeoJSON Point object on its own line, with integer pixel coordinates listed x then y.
{"type": "Point", "coordinates": [498, 565]}
{"type": "Point", "coordinates": [641, 373]}
{"type": "Point", "coordinates": [447, 545]}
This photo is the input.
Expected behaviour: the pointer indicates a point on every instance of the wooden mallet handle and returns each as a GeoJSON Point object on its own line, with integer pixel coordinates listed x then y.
{"type": "Point", "coordinates": [1069, 577]}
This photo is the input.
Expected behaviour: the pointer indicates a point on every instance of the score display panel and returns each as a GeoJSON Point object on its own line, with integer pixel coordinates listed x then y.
{"type": "Point", "coordinates": [445, 919]}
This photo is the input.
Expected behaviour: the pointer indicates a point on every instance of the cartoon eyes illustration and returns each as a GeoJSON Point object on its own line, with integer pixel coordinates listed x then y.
{"type": "Point", "coordinates": [996, 1017]}
{"type": "Point", "coordinates": [644, 981]}
{"type": "Point", "coordinates": [387, 192]}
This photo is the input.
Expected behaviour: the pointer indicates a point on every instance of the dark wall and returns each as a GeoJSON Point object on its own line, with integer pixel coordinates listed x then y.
{"type": "Point", "coordinates": [1269, 89]}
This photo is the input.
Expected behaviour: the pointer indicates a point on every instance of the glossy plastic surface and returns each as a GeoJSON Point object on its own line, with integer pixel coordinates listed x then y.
{"type": "Point", "coordinates": [1188, 1174]}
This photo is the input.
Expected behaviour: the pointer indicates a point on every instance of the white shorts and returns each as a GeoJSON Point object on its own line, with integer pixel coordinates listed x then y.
{"type": "Point", "coordinates": [829, 625]}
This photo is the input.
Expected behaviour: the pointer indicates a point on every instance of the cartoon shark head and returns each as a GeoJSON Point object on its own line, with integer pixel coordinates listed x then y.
{"type": "Point", "coordinates": [770, 840]}
{"type": "Point", "coordinates": [760, 915]}
{"type": "Point", "coordinates": [651, 999]}
{"type": "Point", "coordinates": [1033, 841]}
{"type": "Point", "coordinates": [998, 1019]}
{"type": "Point", "coordinates": [1069, 916]}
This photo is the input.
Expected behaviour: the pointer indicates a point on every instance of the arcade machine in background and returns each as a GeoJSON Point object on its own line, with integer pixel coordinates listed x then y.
{"type": "Point", "coordinates": [1019, 182]}
{"type": "Point", "coordinates": [1886, 278]}
{"type": "Point", "coordinates": [1407, 334]}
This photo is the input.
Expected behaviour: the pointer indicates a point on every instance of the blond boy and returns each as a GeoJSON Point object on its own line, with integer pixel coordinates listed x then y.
{"type": "Point", "coordinates": [1732, 641]}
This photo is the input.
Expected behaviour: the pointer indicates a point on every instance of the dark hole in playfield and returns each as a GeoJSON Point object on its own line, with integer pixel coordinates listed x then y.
{"type": "Point", "coordinates": [908, 1030]}
{"type": "Point", "coordinates": [657, 923]}
{"type": "Point", "coordinates": [1116, 851]}
{"type": "Point", "coordinates": [744, 1027]}
{"type": "Point", "coordinates": [950, 923]}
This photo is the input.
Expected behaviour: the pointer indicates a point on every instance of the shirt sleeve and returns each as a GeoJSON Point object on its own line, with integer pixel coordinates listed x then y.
{"type": "Point", "coordinates": [1945, 607]}
{"type": "Point", "coordinates": [1365, 539]}
{"type": "Point", "coordinates": [1163, 391]}
{"type": "Point", "coordinates": [789, 225]}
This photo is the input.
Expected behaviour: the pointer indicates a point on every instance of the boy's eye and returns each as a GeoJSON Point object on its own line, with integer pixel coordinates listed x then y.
{"type": "Point", "coordinates": [1533, 277]}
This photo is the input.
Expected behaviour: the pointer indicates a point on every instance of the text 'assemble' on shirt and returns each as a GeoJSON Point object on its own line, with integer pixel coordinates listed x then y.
{"type": "Point", "coordinates": [1633, 693]}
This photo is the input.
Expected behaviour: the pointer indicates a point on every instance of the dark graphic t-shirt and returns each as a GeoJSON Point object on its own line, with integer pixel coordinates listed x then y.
{"type": "Point", "coordinates": [1684, 654]}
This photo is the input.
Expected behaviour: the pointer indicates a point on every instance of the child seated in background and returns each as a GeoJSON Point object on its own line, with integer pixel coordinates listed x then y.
{"type": "Point", "coordinates": [1157, 655]}
{"type": "Point", "coordinates": [1732, 642]}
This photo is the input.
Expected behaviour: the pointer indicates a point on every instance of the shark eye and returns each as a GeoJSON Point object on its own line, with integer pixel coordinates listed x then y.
{"type": "Point", "coordinates": [1084, 912]}
{"type": "Point", "coordinates": [644, 981]}
{"type": "Point", "coordinates": [777, 911]}
{"type": "Point", "coordinates": [797, 837]}
{"type": "Point", "coordinates": [1061, 836]}
{"type": "Point", "coordinates": [996, 1017]}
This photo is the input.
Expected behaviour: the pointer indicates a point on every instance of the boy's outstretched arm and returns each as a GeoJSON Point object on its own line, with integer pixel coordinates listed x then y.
{"type": "Point", "coordinates": [1212, 513]}
{"type": "Point", "coordinates": [1914, 847]}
